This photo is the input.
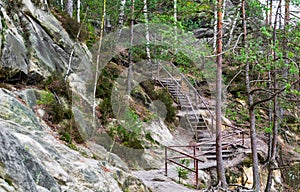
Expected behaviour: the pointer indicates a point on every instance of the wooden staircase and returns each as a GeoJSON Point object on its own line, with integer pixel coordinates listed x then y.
{"type": "Point", "coordinates": [192, 104]}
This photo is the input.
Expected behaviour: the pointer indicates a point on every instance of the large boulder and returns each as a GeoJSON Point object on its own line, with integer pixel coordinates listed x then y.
{"type": "Point", "coordinates": [33, 159]}
{"type": "Point", "coordinates": [34, 44]}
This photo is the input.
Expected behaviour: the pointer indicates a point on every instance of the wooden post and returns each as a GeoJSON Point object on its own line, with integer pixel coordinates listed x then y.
{"type": "Point", "coordinates": [194, 148]}
{"type": "Point", "coordinates": [166, 161]}
{"type": "Point", "coordinates": [196, 173]}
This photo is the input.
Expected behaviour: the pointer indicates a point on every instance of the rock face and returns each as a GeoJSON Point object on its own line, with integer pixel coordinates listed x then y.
{"type": "Point", "coordinates": [34, 44]}
{"type": "Point", "coordinates": [33, 159]}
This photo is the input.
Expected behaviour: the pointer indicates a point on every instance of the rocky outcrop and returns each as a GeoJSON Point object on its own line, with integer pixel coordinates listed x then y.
{"type": "Point", "coordinates": [33, 159]}
{"type": "Point", "coordinates": [34, 44]}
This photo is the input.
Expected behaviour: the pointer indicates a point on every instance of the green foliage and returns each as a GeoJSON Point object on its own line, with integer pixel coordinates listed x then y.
{"type": "Point", "coordinates": [103, 90]}
{"type": "Point", "coordinates": [9, 181]}
{"type": "Point", "coordinates": [268, 130]}
{"type": "Point", "coordinates": [55, 112]}
{"type": "Point", "coordinates": [291, 176]}
{"type": "Point", "coordinates": [56, 84]}
{"type": "Point", "coordinates": [163, 96]}
{"type": "Point", "coordinates": [71, 25]}
{"type": "Point", "coordinates": [182, 172]}
{"type": "Point", "coordinates": [46, 98]}
{"type": "Point", "coordinates": [65, 136]}
{"type": "Point", "coordinates": [130, 132]}
{"type": "Point", "coordinates": [149, 137]}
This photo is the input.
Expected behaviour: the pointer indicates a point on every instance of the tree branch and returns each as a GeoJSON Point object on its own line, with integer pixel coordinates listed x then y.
{"type": "Point", "coordinates": [272, 96]}
{"type": "Point", "coordinates": [260, 89]}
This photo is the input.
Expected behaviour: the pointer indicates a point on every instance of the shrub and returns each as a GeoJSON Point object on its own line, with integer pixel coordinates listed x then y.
{"type": "Point", "coordinates": [163, 96]}
{"type": "Point", "coordinates": [71, 25]}
{"type": "Point", "coordinates": [129, 133]}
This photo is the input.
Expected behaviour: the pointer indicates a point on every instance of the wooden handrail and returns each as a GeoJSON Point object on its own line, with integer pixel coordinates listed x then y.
{"type": "Point", "coordinates": [185, 155]}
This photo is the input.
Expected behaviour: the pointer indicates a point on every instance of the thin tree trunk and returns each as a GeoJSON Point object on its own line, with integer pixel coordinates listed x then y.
{"type": "Point", "coordinates": [267, 14]}
{"type": "Point", "coordinates": [73, 49]}
{"type": "Point", "coordinates": [215, 27]}
{"type": "Point", "coordinates": [78, 11]}
{"type": "Point", "coordinates": [121, 16]}
{"type": "Point", "coordinates": [130, 51]}
{"type": "Point", "coordinates": [62, 4]}
{"type": "Point", "coordinates": [275, 112]}
{"type": "Point", "coordinates": [285, 39]}
{"type": "Point", "coordinates": [147, 32]}
{"type": "Point", "coordinates": [233, 26]}
{"type": "Point", "coordinates": [70, 8]}
{"type": "Point", "coordinates": [271, 12]}
{"type": "Point", "coordinates": [270, 116]}
{"type": "Point", "coordinates": [175, 21]}
{"type": "Point", "coordinates": [223, 9]}
{"type": "Point", "coordinates": [256, 179]}
{"type": "Point", "coordinates": [220, 165]}
{"type": "Point", "coordinates": [98, 61]}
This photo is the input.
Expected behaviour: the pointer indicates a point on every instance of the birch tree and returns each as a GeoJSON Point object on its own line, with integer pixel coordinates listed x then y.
{"type": "Point", "coordinates": [98, 61]}
{"type": "Point", "coordinates": [121, 16]}
{"type": "Point", "coordinates": [215, 28]}
{"type": "Point", "coordinates": [145, 9]}
{"type": "Point", "coordinates": [233, 26]}
{"type": "Point", "coordinates": [70, 8]}
{"type": "Point", "coordinates": [62, 4]}
{"type": "Point", "coordinates": [78, 11]}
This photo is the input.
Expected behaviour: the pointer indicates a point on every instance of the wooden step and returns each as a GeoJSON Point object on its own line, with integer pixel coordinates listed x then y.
{"type": "Point", "coordinates": [212, 143]}
{"type": "Point", "coordinates": [200, 127]}
{"type": "Point", "coordinates": [214, 156]}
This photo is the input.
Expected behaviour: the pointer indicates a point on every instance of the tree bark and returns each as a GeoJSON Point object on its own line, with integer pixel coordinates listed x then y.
{"type": "Point", "coordinates": [271, 12]}
{"type": "Point", "coordinates": [220, 165]}
{"type": "Point", "coordinates": [215, 27]}
{"type": "Point", "coordinates": [253, 137]}
{"type": "Point", "coordinates": [70, 8]}
{"type": "Point", "coordinates": [130, 51]}
{"type": "Point", "coordinates": [285, 39]}
{"type": "Point", "coordinates": [145, 9]}
{"type": "Point", "coordinates": [121, 17]}
{"type": "Point", "coordinates": [98, 61]}
{"type": "Point", "coordinates": [275, 112]}
{"type": "Point", "coordinates": [233, 25]}
{"type": "Point", "coordinates": [62, 4]}
{"type": "Point", "coordinates": [78, 11]}
{"type": "Point", "coordinates": [175, 21]}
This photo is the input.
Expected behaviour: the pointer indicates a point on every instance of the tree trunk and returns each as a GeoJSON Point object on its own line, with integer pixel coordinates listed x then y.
{"type": "Point", "coordinates": [130, 51]}
{"type": "Point", "coordinates": [275, 112]}
{"type": "Point", "coordinates": [266, 14]}
{"type": "Point", "coordinates": [70, 8]}
{"type": "Point", "coordinates": [256, 179]}
{"type": "Point", "coordinates": [147, 32]}
{"type": "Point", "coordinates": [215, 27]}
{"type": "Point", "coordinates": [271, 12]}
{"type": "Point", "coordinates": [98, 61]}
{"type": "Point", "coordinates": [175, 21]}
{"type": "Point", "coordinates": [62, 4]}
{"type": "Point", "coordinates": [237, 16]}
{"type": "Point", "coordinates": [121, 16]}
{"type": "Point", "coordinates": [285, 39]}
{"type": "Point", "coordinates": [220, 166]}
{"type": "Point", "coordinates": [78, 11]}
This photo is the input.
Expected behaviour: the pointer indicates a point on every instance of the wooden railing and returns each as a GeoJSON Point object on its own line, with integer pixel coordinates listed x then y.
{"type": "Point", "coordinates": [176, 75]}
{"type": "Point", "coordinates": [185, 156]}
